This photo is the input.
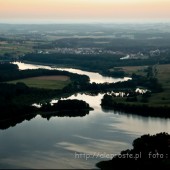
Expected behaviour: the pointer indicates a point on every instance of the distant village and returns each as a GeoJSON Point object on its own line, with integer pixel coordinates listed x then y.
{"type": "Point", "coordinates": [79, 51]}
{"type": "Point", "coordinates": [97, 51]}
{"type": "Point", "coordinates": [139, 55]}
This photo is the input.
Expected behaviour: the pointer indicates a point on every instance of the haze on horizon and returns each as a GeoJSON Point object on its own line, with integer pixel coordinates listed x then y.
{"type": "Point", "coordinates": [12, 11]}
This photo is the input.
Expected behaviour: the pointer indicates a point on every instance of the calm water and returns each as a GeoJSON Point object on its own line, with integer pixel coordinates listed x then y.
{"type": "Point", "coordinates": [40, 143]}
{"type": "Point", "coordinates": [94, 77]}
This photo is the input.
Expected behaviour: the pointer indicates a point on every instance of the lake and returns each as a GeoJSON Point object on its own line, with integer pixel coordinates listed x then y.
{"type": "Point", "coordinates": [57, 143]}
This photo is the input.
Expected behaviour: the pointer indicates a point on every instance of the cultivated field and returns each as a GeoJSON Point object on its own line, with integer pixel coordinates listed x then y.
{"type": "Point", "coordinates": [163, 77]}
{"type": "Point", "coordinates": [134, 69]}
{"type": "Point", "coordinates": [45, 82]}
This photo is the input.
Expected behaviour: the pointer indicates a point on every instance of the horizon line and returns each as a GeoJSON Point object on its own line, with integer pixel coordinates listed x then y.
{"type": "Point", "coordinates": [82, 21]}
{"type": "Point", "coordinates": [97, 22]}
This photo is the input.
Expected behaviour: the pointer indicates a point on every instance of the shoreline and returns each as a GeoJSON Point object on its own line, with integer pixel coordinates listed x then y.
{"type": "Point", "coordinates": [139, 109]}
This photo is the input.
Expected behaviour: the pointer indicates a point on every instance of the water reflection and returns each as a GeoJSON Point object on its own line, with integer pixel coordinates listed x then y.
{"type": "Point", "coordinates": [55, 142]}
{"type": "Point", "coordinates": [5, 124]}
{"type": "Point", "coordinates": [52, 144]}
{"type": "Point", "coordinates": [24, 66]}
{"type": "Point", "coordinates": [94, 77]}
{"type": "Point", "coordinates": [93, 101]}
{"type": "Point", "coordinates": [72, 113]}
{"type": "Point", "coordinates": [40, 143]}
{"type": "Point", "coordinates": [153, 124]}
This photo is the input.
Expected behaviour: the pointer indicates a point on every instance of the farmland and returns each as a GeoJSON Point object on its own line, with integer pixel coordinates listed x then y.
{"type": "Point", "coordinates": [162, 98]}
{"type": "Point", "coordinates": [45, 82]}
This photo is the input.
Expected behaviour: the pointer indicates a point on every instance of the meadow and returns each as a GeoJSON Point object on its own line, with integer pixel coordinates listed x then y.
{"type": "Point", "coordinates": [45, 82]}
{"type": "Point", "coordinates": [163, 72]}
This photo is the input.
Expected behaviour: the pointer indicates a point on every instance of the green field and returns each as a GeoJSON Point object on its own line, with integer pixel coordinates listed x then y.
{"type": "Point", "coordinates": [16, 49]}
{"type": "Point", "coordinates": [45, 82]}
{"type": "Point", "coordinates": [163, 76]}
{"type": "Point", "coordinates": [139, 70]}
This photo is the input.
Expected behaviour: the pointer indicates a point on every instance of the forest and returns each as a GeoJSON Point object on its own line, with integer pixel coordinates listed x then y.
{"type": "Point", "coordinates": [99, 63]}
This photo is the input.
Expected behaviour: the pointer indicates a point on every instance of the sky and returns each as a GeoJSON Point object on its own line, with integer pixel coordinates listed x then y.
{"type": "Point", "coordinates": [84, 10]}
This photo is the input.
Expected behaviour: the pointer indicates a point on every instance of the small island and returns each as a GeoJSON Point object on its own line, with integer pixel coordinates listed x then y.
{"type": "Point", "coordinates": [63, 108]}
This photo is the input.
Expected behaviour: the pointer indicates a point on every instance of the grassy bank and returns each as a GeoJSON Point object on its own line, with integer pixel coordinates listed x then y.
{"type": "Point", "coordinates": [163, 72]}
{"type": "Point", "coordinates": [154, 103]}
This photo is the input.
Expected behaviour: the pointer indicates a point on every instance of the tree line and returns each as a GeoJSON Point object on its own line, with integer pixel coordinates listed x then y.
{"type": "Point", "coordinates": [100, 63]}
{"type": "Point", "coordinates": [148, 152]}
{"type": "Point", "coordinates": [10, 72]}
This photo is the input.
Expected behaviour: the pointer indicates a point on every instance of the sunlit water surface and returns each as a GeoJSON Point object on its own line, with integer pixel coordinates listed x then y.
{"type": "Point", "coordinates": [94, 77]}
{"type": "Point", "coordinates": [40, 143]}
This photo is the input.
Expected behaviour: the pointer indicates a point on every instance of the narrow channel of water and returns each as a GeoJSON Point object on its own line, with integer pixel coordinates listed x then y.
{"type": "Point", "coordinates": [94, 77]}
